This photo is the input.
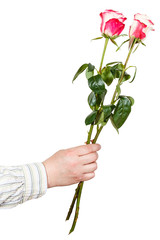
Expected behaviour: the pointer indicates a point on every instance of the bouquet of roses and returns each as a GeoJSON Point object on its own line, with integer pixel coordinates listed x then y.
{"type": "Point", "coordinates": [99, 80]}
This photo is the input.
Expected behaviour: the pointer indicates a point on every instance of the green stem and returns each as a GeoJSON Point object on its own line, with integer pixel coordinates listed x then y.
{"type": "Point", "coordinates": [72, 204]}
{"type": "Point", "coordinates": [77, 207]}
{"type": "Point", "coordinates": [78, 192]}
{"type": "Point", "coordinates": [124, 69]}
{"type": "Point", "coordinates": [89, 134]}
{"type": "Point", "coordinates": [104, 50]}
{"type": "Point", "coordinates": [97, 134]}
{"type": "Point", "coordinates": [119, 82]}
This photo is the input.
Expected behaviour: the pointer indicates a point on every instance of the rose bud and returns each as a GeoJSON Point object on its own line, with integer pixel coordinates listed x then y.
{"type": "Point", "coordinates": [141, 26]}
{"type": "Point", "coordinates": [112, 23]}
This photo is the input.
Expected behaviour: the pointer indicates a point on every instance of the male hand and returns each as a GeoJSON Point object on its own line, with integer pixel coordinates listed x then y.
{"type": "Point", "coordinates": [72, 165]}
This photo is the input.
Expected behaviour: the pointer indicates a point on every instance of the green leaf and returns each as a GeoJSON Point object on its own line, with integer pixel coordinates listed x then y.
{"type": "Point", "coordinates": [96, 84]}
{"type": "Point", "coordinates": [80, 70]}
{"type": "Point", "coordinates": [134, 72]}
{"type": "Point", "coordinates": [113, 124]}
{"type": "Point", "coordinates": [94, 99]}
{"type": "Point", "coordinates": [107, 109]}
{"type": "Point", "coordinates": [100, 118]}
{"type": "Point", "coordinates": [117, 70]}
{"type": "Point", "coordinates": [90, 71]}
{"type": "Point", "coordinates": [126, 77]}
{"type": "Point", "coordinates": [90, 118]}
{"type": "Point", "coordinates": [131, 99]}
{"type": "Point", "coordinates": [111, 63]}
{"type": "Point", "coordinates": [107, 75]}
{"type": "Point", "coordinates": [122, 111]}
{"type": "Point", "coordinates": [89, 74]}
{"type": "Point", "coordinates": [91, 67]}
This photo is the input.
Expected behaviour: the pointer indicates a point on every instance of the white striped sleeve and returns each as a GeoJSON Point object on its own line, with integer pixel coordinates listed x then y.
{"type": "Point", "coordinates": [21, 183]}
{"type": "Point", "coordinates": [35, 181]}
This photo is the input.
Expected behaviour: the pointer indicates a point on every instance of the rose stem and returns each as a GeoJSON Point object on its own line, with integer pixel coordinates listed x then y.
{"type": "Point", "coordinates": [80, 185]}
{"type": "Point", "coordinates": [119, 82]}
{"type": "Point", "coordinates": [77, 207]}
{"type": "Point", "coordinates": [104, 50]}
{"type": "Point", "coordinates": [73, 202]}
{"type": "Point", "coordinates": [78, 191]}
{"type": "Point", "coordinates": [122, 75]}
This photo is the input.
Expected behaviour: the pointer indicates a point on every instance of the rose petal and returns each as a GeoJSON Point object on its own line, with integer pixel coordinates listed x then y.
{"type": "Point", "coordinates": [137, 29]}
{"type": "Point", "coordinates": [143, 18]}
{"type": "Point", "coordinates": [113, 27]}
{"type": "Point", "coordinates": [110, 14]}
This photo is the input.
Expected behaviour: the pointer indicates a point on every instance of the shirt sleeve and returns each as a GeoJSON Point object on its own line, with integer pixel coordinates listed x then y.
{"type": "Point", "coordinates": [19, 184]}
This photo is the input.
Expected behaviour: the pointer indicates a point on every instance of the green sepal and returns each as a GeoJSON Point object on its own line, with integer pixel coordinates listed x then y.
{"type": "Point", "coordinates": [105, 36]}
{"type": "Point", "coordinates": [96, 84]}
{"type": "Point", "coordinates": [122, 44]}
{"type": "Point", "coordinates": [117, 36]}
{"type": "Point", "coordinates": [97, 38]}
{"type": "Point", "coordinates": [121, 111]}
{"type": "Point", "coordinates": [80, 70]}
{"type": "Point", "coordinates": [91, 118]}
{"type": "Point", "coordinates": [114, 42]}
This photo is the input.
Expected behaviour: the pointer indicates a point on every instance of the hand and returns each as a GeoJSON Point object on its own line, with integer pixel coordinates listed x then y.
{"type": "Point", "coordinates": [72, 165]}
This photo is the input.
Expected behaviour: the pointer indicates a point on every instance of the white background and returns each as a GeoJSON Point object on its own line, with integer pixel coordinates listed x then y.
{"type": "Point", "coordinates": [42, 44]}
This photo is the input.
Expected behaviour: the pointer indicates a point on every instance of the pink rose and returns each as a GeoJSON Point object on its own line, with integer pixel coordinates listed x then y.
{"type": "Point", "coordinates": [141, 26]}
{"type": "Point", "coordinates": [112, 23]}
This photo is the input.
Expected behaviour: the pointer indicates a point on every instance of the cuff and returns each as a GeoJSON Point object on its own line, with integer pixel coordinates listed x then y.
{"type": "Point", "coordinates": [35, 180]}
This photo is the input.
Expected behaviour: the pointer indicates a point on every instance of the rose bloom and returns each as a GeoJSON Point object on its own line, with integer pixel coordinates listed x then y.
{"type": "Point", "coordinates": [112, 23]}
{"type": "Point", "coordinates": [141, 26]}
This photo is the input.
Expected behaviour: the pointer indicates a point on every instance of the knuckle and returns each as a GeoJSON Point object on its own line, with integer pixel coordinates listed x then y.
{"type": "Point", "coordinates": [69, 153]}
{"type": "Point", "coordinates": [78, 177]}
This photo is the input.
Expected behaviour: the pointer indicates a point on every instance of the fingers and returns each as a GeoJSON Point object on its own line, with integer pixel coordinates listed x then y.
{"type": "Point", "coordinates": [88, 158]}
{"type": "Point", "coordinates": [86, 149]}
{"type": "Point", "coordinates": [89, 168]}
{"type": "Point", "coordinates": [88, 176]}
